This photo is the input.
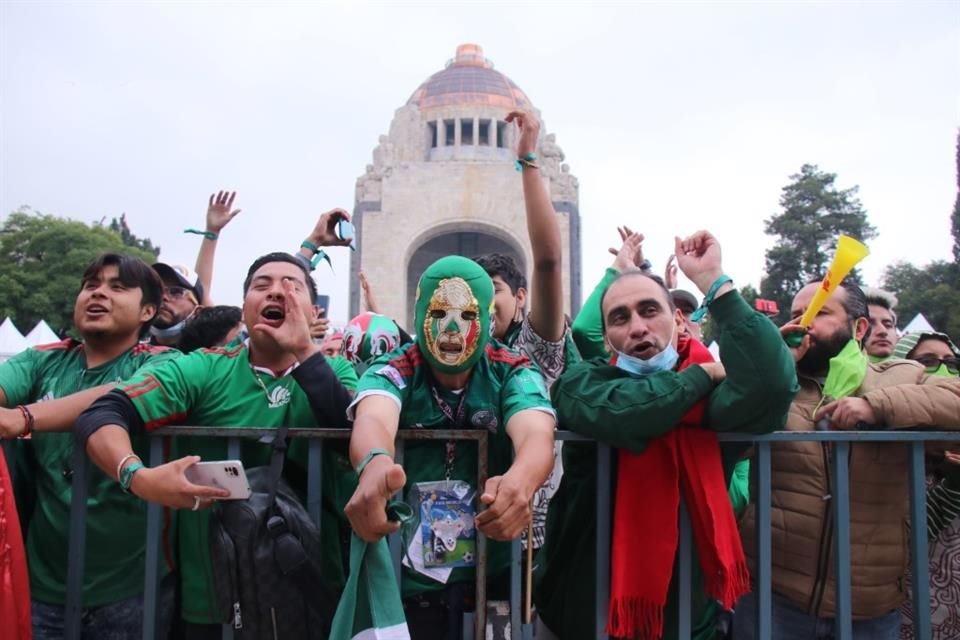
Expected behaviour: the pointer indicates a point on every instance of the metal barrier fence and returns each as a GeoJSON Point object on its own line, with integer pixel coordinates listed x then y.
{"type": "Point", "coordinates": [474, 628]}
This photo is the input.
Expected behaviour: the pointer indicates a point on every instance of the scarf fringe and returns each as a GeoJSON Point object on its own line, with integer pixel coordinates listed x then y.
{"type": "Point", "coordinates": [634, 618]}
{"type": "Point", "coordinates": [727, 586]}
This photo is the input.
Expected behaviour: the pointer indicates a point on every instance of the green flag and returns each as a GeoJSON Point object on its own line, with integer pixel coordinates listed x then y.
{"type": "Point", "coordinates": [370, 608]}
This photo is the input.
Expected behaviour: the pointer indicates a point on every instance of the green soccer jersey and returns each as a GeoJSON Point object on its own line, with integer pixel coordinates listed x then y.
{"type": "Point", "coordinates": [216, 387]}
{"type": "Point", "coordinates": [116, 521]}
{"type": "Point", "coordinates": [502, 383]}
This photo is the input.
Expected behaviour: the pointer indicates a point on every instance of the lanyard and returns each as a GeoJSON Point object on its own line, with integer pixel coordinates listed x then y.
{"type": "Point", "coordinates": [456, 418]}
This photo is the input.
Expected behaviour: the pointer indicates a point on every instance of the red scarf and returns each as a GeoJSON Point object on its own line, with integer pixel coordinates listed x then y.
{"type": "Point", "coordinates": [646, 520]}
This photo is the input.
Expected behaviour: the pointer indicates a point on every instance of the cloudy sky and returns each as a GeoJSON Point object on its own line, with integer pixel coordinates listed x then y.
{"type": "Point", "coordinates": [674, 116]}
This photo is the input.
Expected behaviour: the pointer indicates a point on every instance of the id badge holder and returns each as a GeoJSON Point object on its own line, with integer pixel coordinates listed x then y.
{"type": "Point", "coordinates": [447, 529]}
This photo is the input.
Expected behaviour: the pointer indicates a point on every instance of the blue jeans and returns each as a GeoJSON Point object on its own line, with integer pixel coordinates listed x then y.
{"type": "Point", "coordinates": [122, 620]}
{"type": "Point", "coordinates": [790, 622]}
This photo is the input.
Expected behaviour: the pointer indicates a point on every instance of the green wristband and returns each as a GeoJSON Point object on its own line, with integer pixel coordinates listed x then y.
{"type": "Point", "coordinates": [306, 244]}
{"type": "Point", "coordinates": [126, 474]}
{"type": "Point", "coordinates": [209, 235]}
{"type": "Point", "coordinates": [370, 456]}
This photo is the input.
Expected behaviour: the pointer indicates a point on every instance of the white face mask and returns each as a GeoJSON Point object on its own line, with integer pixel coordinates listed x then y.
{"type": "Point", "coordinates": [666, 360]}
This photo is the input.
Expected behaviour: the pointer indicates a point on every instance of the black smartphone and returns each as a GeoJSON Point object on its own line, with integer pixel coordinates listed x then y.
{"type": "Point", "coordinates": [323, 301]}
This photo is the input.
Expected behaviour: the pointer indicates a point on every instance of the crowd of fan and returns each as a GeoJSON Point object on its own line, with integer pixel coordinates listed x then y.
{"type": "Point", "coordinates": [486, 351]}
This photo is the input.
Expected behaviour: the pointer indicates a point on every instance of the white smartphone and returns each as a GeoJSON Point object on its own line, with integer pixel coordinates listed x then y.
{"type": "Point", "coordinates": [224, 474]}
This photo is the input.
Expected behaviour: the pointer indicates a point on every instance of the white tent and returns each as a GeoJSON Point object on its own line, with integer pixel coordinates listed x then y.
{"type": "Point", "coordinates": [12, 341]}
{"type": "Point", "coordinates": [918, 324]}
{"type": "Point", "coordinates": [42, 334]}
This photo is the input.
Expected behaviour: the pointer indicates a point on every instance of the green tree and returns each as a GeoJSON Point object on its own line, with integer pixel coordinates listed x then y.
{"type": "Point", "coordinates": [41, 260]}
{"type": "Point", "coordinates": [121, 228]}
{"type": "Point", "coordinates": [932, 291]}
{"type": "Point", "coordinates": [814, 214]}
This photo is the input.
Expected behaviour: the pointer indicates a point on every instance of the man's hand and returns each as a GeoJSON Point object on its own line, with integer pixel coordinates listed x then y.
{"type": "Point", "coordinates": [508, 507]}
{"type": "Point", "coordinates": [324, 233]}
{"type": "Point", "coordinates": [529, 131]}
{"type": "Point", "coordinates": [698, 256]}
{"type": "Point", "coordinates": [12, 423]}
{"type": "Point", "coordinates": [799, 351]}
{"type": "Point", "coordinates": [629, 256]}
{"type": "Point", "coordinates": [219, 214]}
{"type": "Point", "coordinates": [293, 334]}
{"type": "Point", "coordinates": [167, 485]}
{"type": "Point", "coordinates": [367, 508]}
{"type": "Point", "coordinates": [715, 370]}
{"type": "Point", "coordinates": [847, 413]}
{"type": "Point", "coordinates": [670, 273]}
{"type": "Point", "coordinates": [369, 300]}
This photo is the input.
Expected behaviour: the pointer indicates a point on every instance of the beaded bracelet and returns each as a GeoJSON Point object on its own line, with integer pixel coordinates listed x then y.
{"type": "Point", "coordinates": [28, 421]}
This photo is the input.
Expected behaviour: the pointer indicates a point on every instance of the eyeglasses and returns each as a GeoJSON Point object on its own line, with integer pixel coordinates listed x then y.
{"type": "Point", "coordinates": [175, 293]}
{"type": "Point", "coordinates": [932, 363]}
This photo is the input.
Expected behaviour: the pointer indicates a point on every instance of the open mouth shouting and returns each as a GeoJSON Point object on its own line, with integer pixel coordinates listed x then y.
{"type": "Point", "coordinates": [272, 315]}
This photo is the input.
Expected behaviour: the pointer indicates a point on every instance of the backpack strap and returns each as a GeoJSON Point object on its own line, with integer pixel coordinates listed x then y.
{"type": "Point", "coordinates": [276, 461]}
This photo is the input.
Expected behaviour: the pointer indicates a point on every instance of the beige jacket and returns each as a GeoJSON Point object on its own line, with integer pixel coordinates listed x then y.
{"type": "Point", "coordinates": [902, 395]}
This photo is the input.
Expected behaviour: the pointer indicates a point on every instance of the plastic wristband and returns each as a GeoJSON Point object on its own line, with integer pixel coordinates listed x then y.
{"type": "Point", "coordinates": [126, 474]}
{"type": "Point", "coordinates": [698, 315]}
{"type": "Point", "coordinates": [209, 235]}
{"type": "Point", "coordinates": [529, 160]}
{"type": "Point", "coordinates": [370, 456]}
{"type": "Point", "coordinates": [28, 421]}
{"type": "Point", "coordinates": [306, 244]}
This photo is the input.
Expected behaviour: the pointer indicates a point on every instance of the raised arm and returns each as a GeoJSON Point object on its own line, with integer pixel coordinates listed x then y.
{"type": "Point", "coordinates": [546, 309]}
{"type": "Point", "coordinates": [219, 214]}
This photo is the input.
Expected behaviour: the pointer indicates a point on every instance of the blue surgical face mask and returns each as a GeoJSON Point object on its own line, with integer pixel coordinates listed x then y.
{"type": "Point", "coordinates": [666, 360]}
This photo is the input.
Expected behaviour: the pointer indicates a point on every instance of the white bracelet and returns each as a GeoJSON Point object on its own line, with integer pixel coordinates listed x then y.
{"type": "Point", "coordinates": [124, 460]}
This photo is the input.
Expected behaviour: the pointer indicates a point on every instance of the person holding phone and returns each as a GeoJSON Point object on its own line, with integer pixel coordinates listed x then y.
{"type": "Point", "coordinates": [278, 376]}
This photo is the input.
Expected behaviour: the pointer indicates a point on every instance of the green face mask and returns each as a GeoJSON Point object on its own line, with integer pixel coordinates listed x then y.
{"type": "Point", "coordinates": [943, 372]}
{"type": "Point", "coordinates": [453, 313]}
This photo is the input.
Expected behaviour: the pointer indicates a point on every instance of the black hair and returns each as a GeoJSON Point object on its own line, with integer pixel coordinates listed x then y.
{"type": "Point", "coordinates": [854, 302]}
{"type": "Point", "coordinates": [208, 327]}
{"type": "Point", "coordinates": [631, 274]}
{"type": "Point", "coordinates": [280, 256]}
{"type": "Point", "coordinates": [497, 264]}
{"type": "Point", "coordinates": [134, 273]}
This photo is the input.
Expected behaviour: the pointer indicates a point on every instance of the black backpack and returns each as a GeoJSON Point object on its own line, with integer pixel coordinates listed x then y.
{"type": "Point", "coordinates": [266, 560]}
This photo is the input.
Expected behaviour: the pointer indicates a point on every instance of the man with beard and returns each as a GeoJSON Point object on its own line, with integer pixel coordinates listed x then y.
{"type": "Point", "coordinates": [895, 394]}
{"type": "Point", "coordinates": [452, 377]}
{"type": "Point", "coordinates": [182, 293]}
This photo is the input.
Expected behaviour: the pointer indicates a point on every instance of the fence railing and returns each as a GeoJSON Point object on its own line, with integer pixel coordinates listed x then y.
{"type": "Point", "coordinates": [474, 625]}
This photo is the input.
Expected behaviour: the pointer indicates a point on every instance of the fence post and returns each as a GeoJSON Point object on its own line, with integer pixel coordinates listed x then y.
{"type": "Point", "coordinates": [684, 566]}
{"type": "Point", "coordinates": [152, 552]}
{"type": "Point", "coordinates": [764, 554]}
{"type": "Point", "coordinates": [77, 545]}
{"type": "Point", "coordinates": [919, 558]}
{"type": "Point", "coordinates": [603, 539]}
{"type": "Point", "coordinates": [843, 623]}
